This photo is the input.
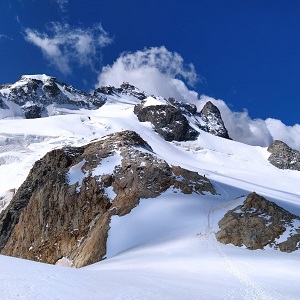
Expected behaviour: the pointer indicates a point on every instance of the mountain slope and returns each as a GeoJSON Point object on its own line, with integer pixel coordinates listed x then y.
{"type": "Point", "coordinates": [70, 195]}
{"type": "Point", "coordinates": [166, 247]}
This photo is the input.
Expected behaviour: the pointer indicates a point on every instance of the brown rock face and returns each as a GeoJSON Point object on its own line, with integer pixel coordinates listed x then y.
{"type": "Point", "coordinates": [64, 207]}
{"type": "Point", "coordinates": [257, 223]}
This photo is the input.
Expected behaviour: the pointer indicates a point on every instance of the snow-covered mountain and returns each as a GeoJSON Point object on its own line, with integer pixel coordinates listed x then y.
{"type": "Point", "coordinates": [34, 96]}
{"type": "Point", "coordinates": [162, 246]}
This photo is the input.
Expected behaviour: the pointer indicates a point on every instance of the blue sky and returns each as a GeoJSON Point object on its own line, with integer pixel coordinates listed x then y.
{"type": "Point", "coordinates": [244, 52]}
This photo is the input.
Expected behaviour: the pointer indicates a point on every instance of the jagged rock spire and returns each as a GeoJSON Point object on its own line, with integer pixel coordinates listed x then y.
{"type": "Point", "coordinates": [212, 118]}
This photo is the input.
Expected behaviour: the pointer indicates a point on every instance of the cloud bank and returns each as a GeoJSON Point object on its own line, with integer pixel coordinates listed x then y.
{"type": "Point", "coordinates": [65, 46]}
{"type": "Point", "coordinates": [161, 72]}
{"type": "Point", "coordinates": [154, 70]}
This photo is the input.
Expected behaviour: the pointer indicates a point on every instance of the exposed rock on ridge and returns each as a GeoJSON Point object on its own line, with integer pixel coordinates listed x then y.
{"type": "Point", "coordinates": [284, 157]}
{"type": "Point", "coordinates": [258, 223]}
{"type": "Point", "coordinates": [124, 89]}
{"type": "Point", "coordinates": [63, 208]}
{"type": "Point", "coordinates": [212, 118]}
{"type": "Point", "coordinates": [167, 120]}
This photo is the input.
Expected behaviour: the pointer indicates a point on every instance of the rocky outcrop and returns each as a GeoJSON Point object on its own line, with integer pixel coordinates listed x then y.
{"type": "Point", "coordinates": [186, 108]}
{"type": "Point", "coordinates": [178, 121]}
{"type": "Point", "coordinates": [63, 209]}
{"type": "Point", "coordinates": [33, 111]}
{"type": "Point", "coordinates": [124, 89]}
{"type": "Point", "coordinates": [258, 223]}
{"type": "Point", "coordinates": [213, 122]}
{"type": "Point", "coordinates": [284, 157]}
{"type": "Point", "coordinates": [168, 121]}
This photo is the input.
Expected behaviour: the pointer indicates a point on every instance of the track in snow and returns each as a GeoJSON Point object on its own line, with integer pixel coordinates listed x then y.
{"type": "Point", "coordinates": [252, 289]}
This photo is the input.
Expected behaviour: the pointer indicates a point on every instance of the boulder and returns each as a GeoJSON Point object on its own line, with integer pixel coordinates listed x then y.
{"type": "Point", "coordinates": [167, 120]}
{"type": "Point", "coordinates": [284, 157]}
{"type": "Point", "coordinates": [258, 223]}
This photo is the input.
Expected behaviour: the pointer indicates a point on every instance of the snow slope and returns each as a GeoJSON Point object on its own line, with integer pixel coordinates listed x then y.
{"type": "Point", "coordinates": [165, 248]}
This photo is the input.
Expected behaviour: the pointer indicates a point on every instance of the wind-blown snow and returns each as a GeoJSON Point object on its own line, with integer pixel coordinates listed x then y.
{"type": "Point", "coordinates": [165, 248]}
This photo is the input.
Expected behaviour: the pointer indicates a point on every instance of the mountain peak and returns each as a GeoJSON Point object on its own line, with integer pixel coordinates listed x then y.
{"type": "Point", "coordinates": [209, 108]}
{"type": "Point", "coordinates": [35, 96]}
{"type": "Point", "coordinates": [212, 118]}
{"type": "Point", "coordinates": [40, 77]}
{"type": "Point", "coordinates": [125, 88]}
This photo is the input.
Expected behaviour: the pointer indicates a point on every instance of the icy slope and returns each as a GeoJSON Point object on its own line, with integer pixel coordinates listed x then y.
{"type": "Point", "coordinates": [164, 249]}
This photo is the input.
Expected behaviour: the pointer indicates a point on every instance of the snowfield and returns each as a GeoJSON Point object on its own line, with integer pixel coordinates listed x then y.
{"type": "Point", "coordinates": [166, 247]}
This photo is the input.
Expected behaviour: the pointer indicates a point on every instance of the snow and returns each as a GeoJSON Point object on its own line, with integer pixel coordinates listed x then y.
{"type": "Point", "coordinates": [154, 101]}
{"type": "Point", "coordinates": [64, 262]}
{"type": "Point", "coordinates": [23, 80]}
{"type": "Point", "coordinates": [138, 228]}
{"type": "Point", "coordinates": [166, 247]}
{"type": "Point", "coordinates": [109, 191]}
{"type": "Point", "coordinates": [289, 231]}
{"type": "Point", "coordinates": [76, 175]}
{"type": "Point", "coordinates": [5, 198]}
{"type": "Point", "coordinates": [107, 165]}
{"type": "Point", "coordinates": [41, 77]}
{"type": "Point", "coordinates": [12, 110]}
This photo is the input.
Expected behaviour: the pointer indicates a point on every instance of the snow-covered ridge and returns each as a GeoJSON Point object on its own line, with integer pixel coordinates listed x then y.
{"type": "Point", "coordinates": [37, 96]}
{"type": "Point", "coordinates": [34, 96]}
{"type": "Point", "coordinates": [6, 89]}
{"type": "Point", "coordinates": [41, 77]}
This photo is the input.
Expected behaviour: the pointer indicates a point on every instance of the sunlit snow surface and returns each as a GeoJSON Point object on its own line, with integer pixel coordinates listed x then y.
{"type": "Point", "coordinates": [165, 248]}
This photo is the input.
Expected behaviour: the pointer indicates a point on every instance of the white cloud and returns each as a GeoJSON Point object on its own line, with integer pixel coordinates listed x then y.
{"type": "Point", "coordinates": [288, 134]}
{"type": "Point", "coordinates": [104, 39]}
{"type": "Point", "coordinates": [65, 46]}
{"type": "Point", "coordinates": [62, 4]}
{"type": "Point", "coordinates": [154, 70]}
{"type": "Point", "coordinates": [4, 36]}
